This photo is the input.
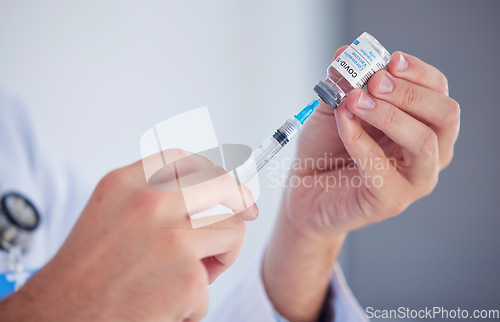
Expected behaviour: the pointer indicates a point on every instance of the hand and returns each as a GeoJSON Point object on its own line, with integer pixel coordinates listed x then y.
{"type": "Point", "coordinates": [133, 255]}
{"type": "Point", "coordinates": [361, 163]}
{"type": "Point", "coordinates": [388, 146]}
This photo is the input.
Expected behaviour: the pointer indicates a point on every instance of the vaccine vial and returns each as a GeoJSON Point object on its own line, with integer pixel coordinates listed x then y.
{"type": "Point", "coordinates": [352, 69]}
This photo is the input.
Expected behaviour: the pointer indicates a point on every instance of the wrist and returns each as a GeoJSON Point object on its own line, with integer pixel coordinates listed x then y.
{"type": "Point", "coordinates": [297, 269]}
{"type": "Point", "coordinates": [22, 306]}
{"type": "Point", "coordinates": [49, 295]}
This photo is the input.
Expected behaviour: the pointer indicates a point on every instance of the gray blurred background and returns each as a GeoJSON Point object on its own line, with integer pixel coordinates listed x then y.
{"type": "Point", "coordinates": [97, 74]}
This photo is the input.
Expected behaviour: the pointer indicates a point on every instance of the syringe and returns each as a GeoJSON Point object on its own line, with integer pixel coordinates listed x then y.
{"type": "Point", "coordinates": [261, 156]}
{"type": "Point", "coordinates": [273, 144]}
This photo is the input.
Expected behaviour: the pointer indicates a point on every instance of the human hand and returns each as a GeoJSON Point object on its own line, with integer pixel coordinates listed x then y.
{"type": "Point", "coordinates": [384, 150]}
{"type": "Point", "coordinates": [357, 165]}
{"type": "Point", "coordinates": [133, 255]}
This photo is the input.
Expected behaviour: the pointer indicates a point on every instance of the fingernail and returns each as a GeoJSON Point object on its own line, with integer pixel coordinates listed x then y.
{"type": "Point", "coordinates": [386, 86]}
{"type": "Point", "coordinates": [256, 210]}
{"type": "Point", "coordinates": [349, 114]}
{"type": "Point", "coordinates": [366, 102]}
{"type": "Point", "coordinates": [403, 64]}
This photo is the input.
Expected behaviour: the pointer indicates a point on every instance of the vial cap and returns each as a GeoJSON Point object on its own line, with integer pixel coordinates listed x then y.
{"type": "Point", "coordinates": [328, 94]}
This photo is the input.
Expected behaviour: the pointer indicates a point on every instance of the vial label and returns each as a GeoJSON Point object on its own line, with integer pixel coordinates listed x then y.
{"type": "Point", "coordinates": [358, 62]}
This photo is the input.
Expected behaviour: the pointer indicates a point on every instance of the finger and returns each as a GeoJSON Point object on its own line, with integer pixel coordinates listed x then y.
{"type": "Point", "coordinates": [427, 105]}
{"type": "Point", "coordinates": [382, 185]}
{"type": "Point", "coordinates": [249, 214]}
{"type": "Point", "coordinates": [218, 264]}
{"type": "Point", "coordinates": [214, 268]}
{"type": "Point", "coordinates": [339, 51]}
{"type": "Point", "coordinates": [438, 111]}
{"type": "Point", "coordinates": [220, 238]}
{"type": "Point", "coordinates": [162, 169]}
{"type": "Point", "coordinates": [365, 152]}
{"type": "Point", "coordinates": [174, 163]}
{"type": "Point", "coordinates": [412, 69]}
{"type": "Point", "coordinates": [419, 143]}
{"type": "Point", "coordinates": [186, 162]}
{"type": "Point", "coordinates": [205, 189]}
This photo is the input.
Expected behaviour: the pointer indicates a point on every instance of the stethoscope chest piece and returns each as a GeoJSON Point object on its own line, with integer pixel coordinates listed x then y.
{"type": "Point", "coordinates": [18, 219]}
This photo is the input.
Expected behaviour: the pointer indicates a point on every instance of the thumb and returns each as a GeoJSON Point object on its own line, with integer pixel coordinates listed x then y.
{"type": "Point", "coordinates": [369, 157]}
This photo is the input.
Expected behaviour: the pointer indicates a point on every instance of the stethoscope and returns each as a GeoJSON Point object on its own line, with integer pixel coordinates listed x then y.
{"type": "Point", "coordinates": [19, 218]}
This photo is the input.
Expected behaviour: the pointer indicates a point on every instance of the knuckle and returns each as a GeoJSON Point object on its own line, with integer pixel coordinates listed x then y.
{"type": "Point", "coordinates": [147, 204]}
{"type": "Point", "coordinates": [453, 114]}
{"type": "Point", "coordinates": [356, 137]}
{"type": "Point", "coordinates": [409, 96]}
{"type": "Point", "coordinates": [429, 144]}
{"type": "Point", "coordinates": [116, 178]}
{"type": "Point", "coordinates": [444, 84]}
{"type": "Point", "coordinates": [390, 118]}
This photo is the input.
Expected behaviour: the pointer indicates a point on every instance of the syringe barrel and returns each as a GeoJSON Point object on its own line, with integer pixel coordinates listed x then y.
{"type": "Point", "coordinates": [268, 149]}
{"type": "Point", "coordinates": [261, 156]}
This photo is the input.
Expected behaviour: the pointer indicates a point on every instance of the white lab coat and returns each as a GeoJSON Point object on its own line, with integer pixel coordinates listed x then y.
{"type": "Point", "coordinates": [32, 166]}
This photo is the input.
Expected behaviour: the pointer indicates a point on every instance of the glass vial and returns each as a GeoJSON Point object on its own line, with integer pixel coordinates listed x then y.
{"type": "Point", "coordinates": [352, 69]}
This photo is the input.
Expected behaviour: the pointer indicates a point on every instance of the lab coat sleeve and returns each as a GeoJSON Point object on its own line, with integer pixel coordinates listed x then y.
{"type": "Point", "coordinates": [247, 300]}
